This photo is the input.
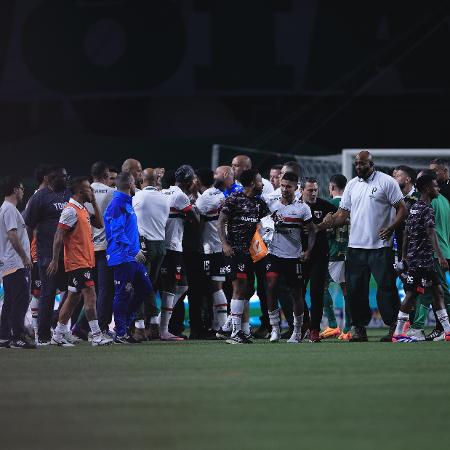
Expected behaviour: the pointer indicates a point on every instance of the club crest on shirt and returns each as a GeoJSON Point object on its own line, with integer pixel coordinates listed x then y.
{"type": "Point", "coordinates": [87, 275]}
{"type": "Point", "coordinates": [318, 214]}
{"type": "Point", "coordinates": [241, 267]}
{"type": "Point", "coordinates": [372, 195]}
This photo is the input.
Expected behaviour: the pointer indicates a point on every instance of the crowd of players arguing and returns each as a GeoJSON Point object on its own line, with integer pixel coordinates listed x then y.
{"type": "Point", "coordinates": [114, 239]}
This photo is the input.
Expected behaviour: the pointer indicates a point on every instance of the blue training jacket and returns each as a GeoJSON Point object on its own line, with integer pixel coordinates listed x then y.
{"type": "Point", "coordinates": [121, 230]}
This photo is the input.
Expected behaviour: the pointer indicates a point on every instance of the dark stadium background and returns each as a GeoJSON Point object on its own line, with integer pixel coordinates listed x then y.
{"type": "Point", "coordinates": [162, 80]}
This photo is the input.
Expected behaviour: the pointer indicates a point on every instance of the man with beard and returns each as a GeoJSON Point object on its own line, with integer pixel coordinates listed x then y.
{"type": "Point", "coordinates": [238, 221]}
{"type": "Point", "coordinates": [369, 200]}
{"type": "Point", "coordinates": [42, 214]}
{"type": "Point", "coordinates": [285, 254]}
{"type": "Point", "coordinates": [315, 269]}
{"type": "Point", "coordinates": [75, 233]}
{"type": "Point", "coordinates": [440, 168]}
{"type": "Point", "coordinates": [215, 264]}
{"type": "Point", "coordinates": [134, 168]}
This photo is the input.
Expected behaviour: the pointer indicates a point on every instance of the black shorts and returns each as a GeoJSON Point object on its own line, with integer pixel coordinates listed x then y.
{"type": "Point", "coordinates": [216, 266]}
{"type": "Point", "coordinates": [35, 281]}
{"type": "Point", "coordinates": [290, 268]}
{"type": "Point", "coordinates": [173, 265]}
{"type": "Point", "coordinates": [242, 266]}
{"type": "Point", "coordinates": [80, 279]}
{"type": "Point", "coordinates": [418, 280]}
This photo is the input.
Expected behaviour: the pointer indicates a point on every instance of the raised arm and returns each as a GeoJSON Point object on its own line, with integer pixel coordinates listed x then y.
{"type": "Point", "coordinates": [339, 218]}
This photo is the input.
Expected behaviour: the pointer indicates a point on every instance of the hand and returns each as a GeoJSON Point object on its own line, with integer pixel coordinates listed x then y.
{"type": "Point", "coordinates": [305, 256]}
{"type": "Point", "coordinates": [228, 250]}
{"type": "Point", "coordinates": [327, 221]}
{"type": "Point", "coordinates": [443, 263]}
{"type": "Point", "coordinates": [140, 257]}
{"type": "Point", "coordinates": [52, 268]}
{"type": "Point", "coordinates": [385, 233]}
{"type": "Point", "coordinates": [27, 263]}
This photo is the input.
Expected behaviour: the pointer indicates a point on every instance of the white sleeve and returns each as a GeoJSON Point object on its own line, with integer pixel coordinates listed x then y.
{"type": "Point", "coordinates": [346, 201]}
{"type": "Point", "coordinates": [306, 212]}
{"type": "Point", "coordinates": [393, 192]}
{"type": "Point", "coordinates": [267, 187]}
{"type": "Point", "coordinates": [202, 204]}
{"type": "Point", "coordinates": [10, 218]}
{"type": "Point", "coordinates": [182, 201]}
{"type": "Point", "coordinates": [68, 218]}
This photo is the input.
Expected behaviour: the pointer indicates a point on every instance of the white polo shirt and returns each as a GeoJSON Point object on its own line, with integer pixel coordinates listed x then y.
{"type": "Point", "coordinates": [152, 211]}
{"type": "Point", "coordinates": [370, 203]}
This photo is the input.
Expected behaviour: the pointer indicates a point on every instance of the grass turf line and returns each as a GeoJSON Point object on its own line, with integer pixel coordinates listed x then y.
{"type": "Point", "coordinates": [210, 395]}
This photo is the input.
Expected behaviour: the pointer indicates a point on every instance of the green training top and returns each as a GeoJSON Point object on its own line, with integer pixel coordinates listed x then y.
{"type": "Point", "coordinates": [441, 208]}
{"type": "Point", "coordinates": [338, 238]}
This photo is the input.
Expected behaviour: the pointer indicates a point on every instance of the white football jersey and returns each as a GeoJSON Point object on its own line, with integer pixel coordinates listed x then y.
{"type": "Point", "coordinates": [179, 204]}
{"type": "Point", "coordinates": [208, 205]}
{"type": "Point", "coordinates": [288, 221]}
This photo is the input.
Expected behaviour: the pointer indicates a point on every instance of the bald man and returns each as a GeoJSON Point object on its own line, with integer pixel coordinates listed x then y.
{"type": "Point", "coordinates": [133, 167]}
{"type": "Point", "coordinates": [243, 162]}
{"type": "Point", "coordinates": [374, 203]}
{"type": "Point", "coordinates": [152, 211]}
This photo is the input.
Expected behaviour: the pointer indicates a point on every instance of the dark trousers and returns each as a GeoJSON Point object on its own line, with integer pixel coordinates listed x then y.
{"type": "Point", "coordinates": [132, 287]}
{"type": "Point", "coordinates": [49, 285]}
{"type": "Point", "coordinates": [17, 297]}
{"type": "Point", "coordinates": [105, 290]}
{"type": "Point", "coordinates": [360, 264]}
{"type": "Point", "coordinates": [315, 272]}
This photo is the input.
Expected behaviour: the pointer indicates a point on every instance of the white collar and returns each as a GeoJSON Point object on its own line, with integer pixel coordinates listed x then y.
{"type": "Point", "coordinates": [74, 202]}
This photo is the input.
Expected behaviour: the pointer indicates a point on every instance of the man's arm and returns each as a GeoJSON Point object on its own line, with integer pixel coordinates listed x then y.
{"type": "Point", "coordinates": [221, 229]}
{"type": "Point", "coordinates": [400, 216]}
{"type": "Point", "coordinates": [17, 246]}
{"type": "Point", "coordinates": [431, 233]}
{"type": "Point", "coordinates": [339, 218]}
{"type": "Point", "coordinates": [311, 228]}
{"type": "Point", "coordinates": [193, 216]}
{"type": "Point", "coordinates": [405, 244]}
{"type": "Point", "coordinates": [57, 244]}
{"type": "Point", "coordinates": [97, 218]}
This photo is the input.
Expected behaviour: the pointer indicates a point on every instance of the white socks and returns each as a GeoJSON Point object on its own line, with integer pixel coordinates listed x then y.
{"type": "Point", "coordinates": [402, 318]}
{"type": "Point", "coordinates": [443, 318]}
{"type": "Point", "coordinates": [34, 307]}
{"type": "Point", "coordinates": [179, 292]}
{"type": "Point", "coordinates": [237, 308]}
{"type": "Point", "coordinates": [219, 309]}
{"type": "Point", "coordinates": [228, 325]}
{"type": "Point", "coordinates": [274, 318]}
{"type": "Point", "coordinates": [139, 324]}
{"type": "Point", "coordinates": [298, 322]}
{"type": "Point", "coordinates": [60, 329]}
{"type": "Point", "coordinates": [94, 326]}
{"type": "Point", "coordinates": [167, 302]}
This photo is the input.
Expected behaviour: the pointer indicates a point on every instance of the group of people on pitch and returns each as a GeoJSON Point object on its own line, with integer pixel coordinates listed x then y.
{"type": "Point", "coordinates": [115, 239]}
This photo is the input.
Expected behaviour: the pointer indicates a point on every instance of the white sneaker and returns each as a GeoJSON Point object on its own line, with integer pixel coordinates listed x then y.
{"type": "Point", "coordinates": [275, 334]}
{"type": "Point", "coordinates": [296, 338]}
{"type": "Point", "coordinates": [101, 340]}
{"type": "Point", "coordinates": [417, 335]}
{"type": "Point", "coordinates": [62, 342]}
{"type": "Point", "coordinates": [71, 338]}
{"type": "Point", "coordinates": [441, 337]}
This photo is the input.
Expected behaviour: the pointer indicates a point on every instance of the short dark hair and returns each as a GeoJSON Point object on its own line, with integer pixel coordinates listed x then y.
{"type": "Point", "coordinates": [41, 171]}
{"type": "Point", "coordinates": [439, 162]}
{"type": "Point", "coordinates": [409, 171]}
{"type": "Point", "coordinates": [290, 176]}
{"type": "Point", "coordinates": [53, 170]}
{"type": "Point", "coordinates": [113, 169]}
{"type": "Point", "coordinates": [10, 183]}
{"type": "Point", "coordinates": [248, 177]}
{"type": "Point", "coordinates": [339, 180]}
{"type": "Point", "coordinates": [308, 180]}
{"type": "Point", "coordinates": [123, 180]}
{"type": "Point", "coordinates": [277, 167]}
{"type": "Point", "coordinates": [76, 182]}
{"type": "Point", "coordinates": [294, 166]}
{"type": "Point", "coordinates": [206, 176]}
{"type": "Point", "coordinates": [424, 181]}
{"type": "Point", "coordinates": [99, 168]}
{"type": "Point", "coordinates": [168, 179]}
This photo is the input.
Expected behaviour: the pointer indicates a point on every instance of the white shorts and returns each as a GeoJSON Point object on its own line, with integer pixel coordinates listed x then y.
{"type": "Point", "coordinates": [336, 269]}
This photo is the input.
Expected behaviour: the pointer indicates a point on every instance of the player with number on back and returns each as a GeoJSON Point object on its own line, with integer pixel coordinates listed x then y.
{"type": "Point", "coordinates": [285, 250]}
{"type": "Point", "coordinates": [419, 242]}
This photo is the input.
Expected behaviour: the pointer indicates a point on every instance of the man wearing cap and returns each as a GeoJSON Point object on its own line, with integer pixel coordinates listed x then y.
{"type": "Point", "coordinates": [173, 277]}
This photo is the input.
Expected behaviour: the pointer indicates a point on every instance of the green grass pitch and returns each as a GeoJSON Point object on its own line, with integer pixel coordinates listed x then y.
{"type": "Point", "coordinates": [210, 395]}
